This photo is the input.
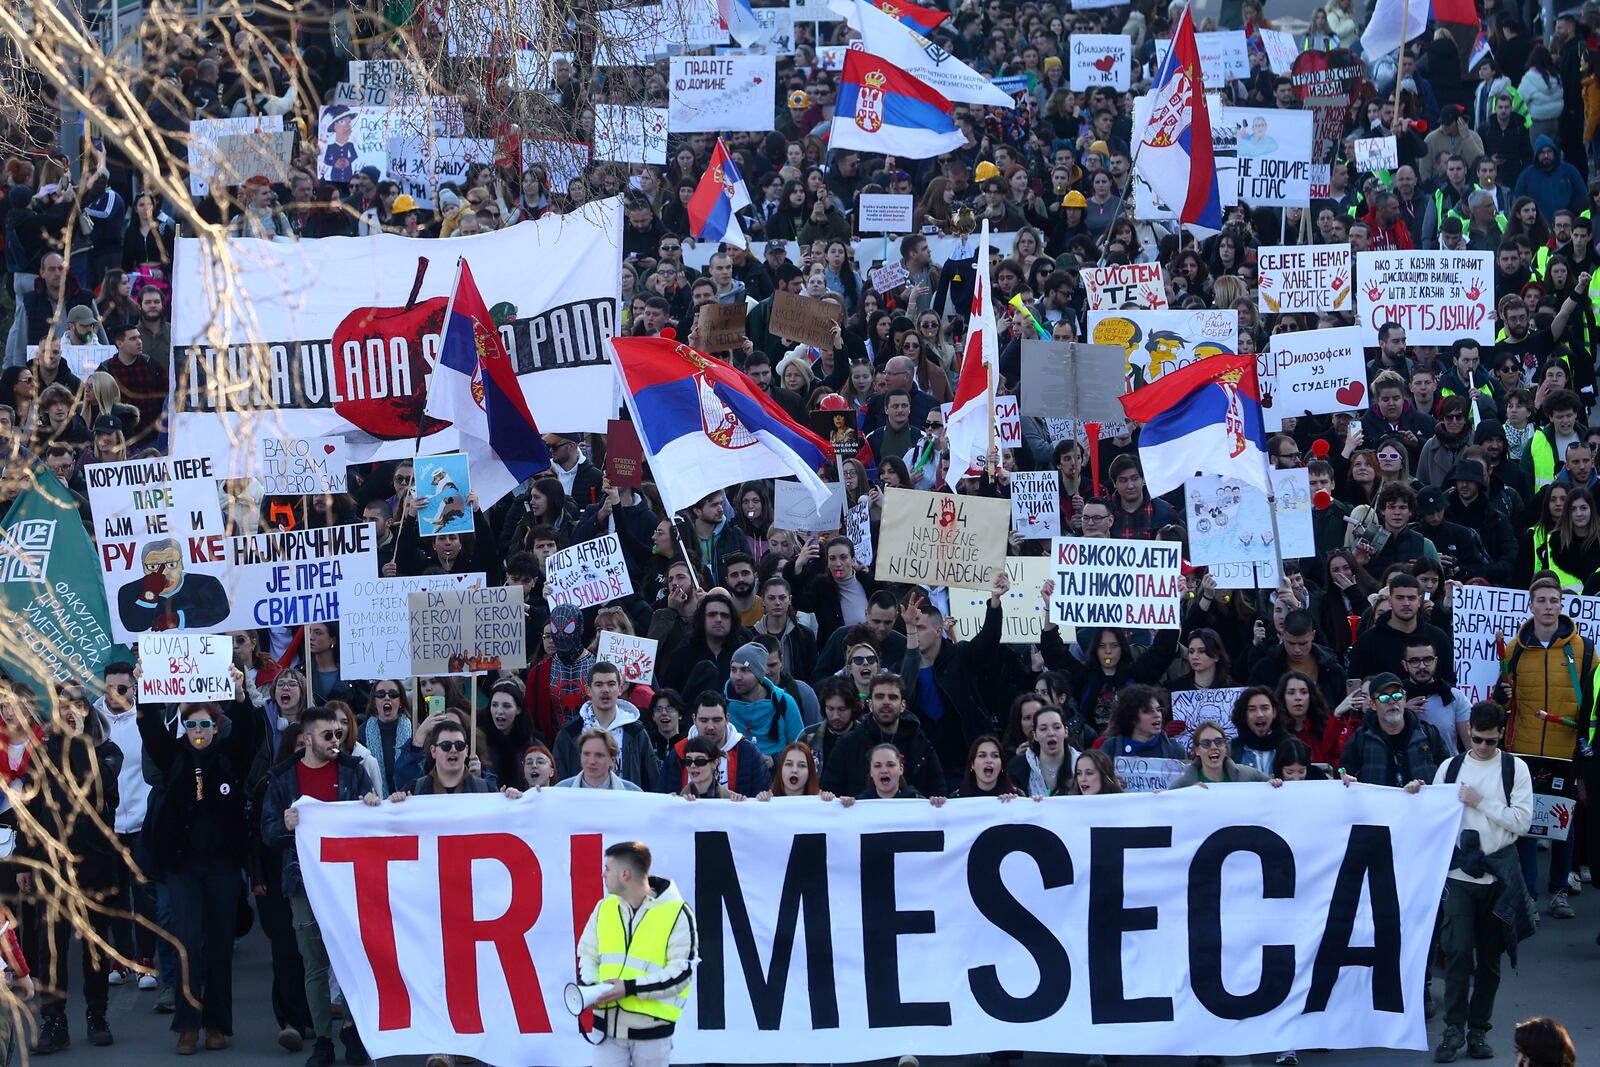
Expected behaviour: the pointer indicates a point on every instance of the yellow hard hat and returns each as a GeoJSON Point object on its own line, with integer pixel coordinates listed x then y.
{"type": "Point", "coordinates": [1074, 199]}
{"type": "Point", "coordinates": [402, 203]}
{"type": "Point", "coordinates": [985, 171]}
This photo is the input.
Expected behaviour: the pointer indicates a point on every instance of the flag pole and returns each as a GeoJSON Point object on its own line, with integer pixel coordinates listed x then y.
{"type": "Point", "coordinates": [449, 309]}
{"type": "Point", "coordinates": [1405, 16]}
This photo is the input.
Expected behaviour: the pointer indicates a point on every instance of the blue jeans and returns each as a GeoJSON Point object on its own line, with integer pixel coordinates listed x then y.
{"type": "Point", "coordinates": [1560, 864]}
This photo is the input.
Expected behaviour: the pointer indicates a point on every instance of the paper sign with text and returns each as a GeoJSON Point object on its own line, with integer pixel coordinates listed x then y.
{"type": "Point", "coordinates": [941, 539]}
{"type": "Point", "coordinates": [1100, 59]}
{"type": "Point", "coordinates": [588, 574]}
{"type": "Point", "coordinates": [375, 635]}
{"type": "Point", "coordinates": [793, 507]}
{"type": "Point", "coordinates": [634, 656]}
{"type": "Point", "coordinates": [1223, 55]}
{"type": "Point", "coordinates": [624, 133]}
{"type": "Point", "coordinates": [1228, 521]}
{"type": "Point", "coordinates": [1140, 284]}
{"type": "Point", "coordinates": [1304, 278]}
{"type": "Point", "coordinates": [858, 527]}
{"type": "Point", "coordinates": [1022, 610]}
{"type": "Point", "coordinates": [1141, 774]}
{"type": "Point", "coordinates": [886, 213]}
{"type": "Point", "coordinates": [714, 93]}
{"type": "Point", "coordinates": [1273, 148]}
{"type": "Point", "coordinates": [467, 631]}
{"type": "Point", "coordinates": [301, 466]}
{"type": "Point", "coordinates": [1376, 153]}
{"type": "Point", "coordinates": [1126, 583]}
{"type": "Point", "coordinates": [177, 666]}
{"type": "Point", "coordinates": [1312, 372]}
{"type": "Point", "coordinates": [1437, 296]}
{"type": "Point", "coordinates": [1195, 706]}
{"type": "Point", "coordinates": [1036, 504]}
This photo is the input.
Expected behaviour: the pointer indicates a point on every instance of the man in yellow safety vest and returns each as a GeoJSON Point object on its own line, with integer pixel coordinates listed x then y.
{"type": "Point", "coordinates": [640, 941]}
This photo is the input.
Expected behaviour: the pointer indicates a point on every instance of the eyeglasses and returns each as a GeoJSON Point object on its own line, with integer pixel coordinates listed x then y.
{"type": "Point", "coordinates": [1390, 698]}
{"type": "Point", "coordinates": [1420, 661]}
{"type": "Point", "coordinates": [863, 661]}
{"type": "Point", "coordinates": [403, 480]}
{"type": "Point", "coordinates": [1288, 455]}
{"type": "Point", "coordinates": [697, 761]}
{"type": "Point", "coordinates": [934, 424]}
{"type": "Point", "coordinates": [450, 746]}
{"type": "Point", "coordinates": [1212, 742]}
{"type": "Point", "coordinates": [1096, 518]}
{"type": "Point", "coordinates": [169, 566]}
{"type": "Point", "coordinates": [198, 724]}
{"type": "Point", "coordinates": [331, 735]}
{"type": "Point", "coordinates": [1491, 742]}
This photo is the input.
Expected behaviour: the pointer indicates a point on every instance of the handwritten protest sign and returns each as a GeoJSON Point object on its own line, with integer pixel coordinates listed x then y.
{"type": "Point", "coordinates": [886, 213]}
{"type": "Point", "coordinates": [589, 573]}
{"type": "Point", "coordinates": [1100, 59]}
{"type": "Point", "coordinates": [858, 527]}
{"type": "Point", "coordinates": [1159, 342]}
{"type": "Point", "coordinates": [467, 631]}
{"type": "Point", "coordinates": [721, 326]}
{"type": "Point", "coordinates": [1480, 612]}
{"type": "Point", "coordinates": [1007, 422]}
{"type": "Point", "coordinates": [1140, 284]}
{"type": "Point", "coordinates": [204, 134]}
{"type": "Point", "coordinates": [418, 163]}
{"type": "Point", "coordinates": [1036, 504]}
{"type": "Point", "coordinates": [1130, 583]}
{"type": "Point", "coordinates": [1312, 372]}
{"type": "Point", "coordinates": [177, 666]}
{"type": "Point", "coordinates": [1376, 153]}
{"type": "Point", "coordinates": [798, 318]}
{"type": "Point", "coordinates": [1195, 706]}
{"type": "Point", "coordinates": [713, 93]}
{"type": "Point", "coordinates": [1437, 297]}
{"type": "Point", "coordinates": [264, 154]}
{"type": "Point", "coordinates": [941, 539]}
{"type": "Point", "coordinates": [624, 133]}
{"type": "Point", "coordinates": [890, 277]}
{"type": "Point", "coordinates": [1304, 278]}
{"type": "Point", "coordinates": [1022, 611]}
{"type": "Point", "coordinates": [634, 656]}
{"type": "Point", "coordinates": [1228, 521]}
{"type": "Point", "coordinates": [301, 466]}
{"type": "Point", "coordinates": [1280, 48]}
{"type": "Point", "coordinates": [375, 633]}
{"type": "Point", "coordinates": [1140, 774]}
{"type": "Point", "coordinates": [793, 507]}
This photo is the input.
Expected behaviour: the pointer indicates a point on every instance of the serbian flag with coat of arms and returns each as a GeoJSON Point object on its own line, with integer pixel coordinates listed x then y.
{"type": "Point", "coordinates": [918, 18]}
{"type": "Point", "coordinates": [474, 387]}
{"type": "Point", "coordinates": [1201, 419]}
{"type": "Point", "coordinates": [721, 192]}
{"type": "Point", "coordinates": [704, 425]}
{"type": "Point", "coordinates": [1174, 153]}
{"type": "Point", "coordinates": [883, 109]}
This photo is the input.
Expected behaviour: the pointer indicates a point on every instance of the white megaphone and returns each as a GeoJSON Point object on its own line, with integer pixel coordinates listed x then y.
{"type": "Point", "coordinates": [580, 998]}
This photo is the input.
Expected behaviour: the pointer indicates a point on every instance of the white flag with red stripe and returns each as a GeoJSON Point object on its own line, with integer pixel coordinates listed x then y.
{"type": "Point", "coordinates": [968, 428]}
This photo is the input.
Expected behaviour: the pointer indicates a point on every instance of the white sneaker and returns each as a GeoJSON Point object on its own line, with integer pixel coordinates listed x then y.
{"type": "Point", "coordinates": [1574, 883]}
{"type": "Point", "coordinates": [148, 982]}
{"type": "Point", "coordinates": [1559, 907]}
{"type": "Point", "coordinates": [117, 977]}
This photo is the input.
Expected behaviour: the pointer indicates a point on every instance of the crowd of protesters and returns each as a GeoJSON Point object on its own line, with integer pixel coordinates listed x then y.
{"type": "Point", "coordinates": [784, 666]}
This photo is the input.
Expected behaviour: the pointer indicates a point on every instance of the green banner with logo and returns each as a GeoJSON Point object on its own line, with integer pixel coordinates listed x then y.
{"type": "Point", "coordinates": [52, 602]}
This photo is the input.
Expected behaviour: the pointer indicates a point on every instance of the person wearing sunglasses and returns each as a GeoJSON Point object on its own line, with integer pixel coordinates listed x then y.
{"type": "Point", "coordinates": [701, 758]}
{"type": "Point", "coordinates": [1392, 746]}
{"type": "Point", "coordinates": [201, 839]}
{"type": "Point", "coordinates": [135, 895]}
{"type": "Point", "coordinates": [1487, 886]}
{"type": "Point", "coordinates": [1212, 764]}
{"type": "Point", "coordinates": [326, 770]}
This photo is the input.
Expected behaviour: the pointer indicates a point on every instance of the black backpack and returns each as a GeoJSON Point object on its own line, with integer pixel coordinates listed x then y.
{"type": "Point", "coordinates": [1508, 771]}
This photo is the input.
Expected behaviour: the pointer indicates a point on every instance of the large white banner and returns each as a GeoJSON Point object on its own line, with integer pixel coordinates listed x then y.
{"type": "Point", "coordinates": [1223, 921]}
{"type": "Point", "coordinates": [1439, 297]}
{"type": "Point", "coordinates": [347, 330]}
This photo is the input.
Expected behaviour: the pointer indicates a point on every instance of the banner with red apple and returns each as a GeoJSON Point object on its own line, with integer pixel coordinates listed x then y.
{"type": "Point", "coordinates": [339, 336]}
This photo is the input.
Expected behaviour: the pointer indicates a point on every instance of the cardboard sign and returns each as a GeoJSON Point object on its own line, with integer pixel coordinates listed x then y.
{"type": "Point", "coordinates": [204, 134]}
{"type": "Point", "coordinates": [885, 213]}
{"type": "Point", "coordinates": [709, 94]}
{"type": "Point", "coordinates": [179, 666]}
{"type": "Point", "coordinates": [1280, 48]}
{"type": "Point", "coordinates": [1143, 285]}
{"type": "Point", "coordinates": [301, 466]}
{"type": "Point", "coordinates": [467, 631]}
{"type": "Point", "coordinates": [624, 455]}
{"type": "Point", "coordinates": [794, 509]}
{"type": "Point", "coordinates": [588, 574]}
{"type": "Point", "coordinates": [1312, 372]}
{"type": "Point", "coordinates": [858, 527]}
{"type": "Point", "coordinates": [240, 157]}
{"type": "Point", "coordinates": [1157, 342]}
{"type": "Point", "coordinates": [1196, 706]}
{"type": "Point", "coordinates": [1141, 774]}
{"type": "Point", "coordinates": [1228, 521]}
{"type": "Point", "coordinates": [1022, 611]}
{"type": "Point", "coordinates": [937, 539]}
{"type": "Point", "coordinates": [634, 656]}
{"type": "Point", "coordinates": [1007, 422]}
{"type": "Point", "coordinates": [1439, 297]}
{"type": "Point", "coordinates": [375, 636]}
{"type": "Point", "coordinates": [1100, 59]}
{"type": "Point", "coordinates": [441, 490]}
{"type": "Point", "coordinates": [1036, 504]}
{"type": "Point", "coordinates": [624, 133]}
{"type": "Point", "coordinates": [721, 326]}
{"type": "Point", "coordinates": [1129, 583]}
{"type": "Point", "coordinates": [887, 278]}
{"type": "Point", "coordinates": [1273, 149]}
{"type": "Point", "coordinates": [1304, 278]}
{"type": "Point", "coordinates": [1071, 380]}
{"type": "Point", "coordinates": [803, 319]}
{"type": "Point", "coordinates": [418, 164]}
{"type": "Point", "coordinates": [1376, 153]}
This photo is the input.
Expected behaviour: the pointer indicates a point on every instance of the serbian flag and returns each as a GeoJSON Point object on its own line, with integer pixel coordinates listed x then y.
{"type": "Point", "coordinates": [967, 429]}
{"type": "Point", "coordinates": [920, 19]}
{"type": "Point", "coordinates": [475, 388]}
{"type": "Point", "coordinates": [739, 19]}
{"type": "Point", "coordinates": [705, 425]}
{"type": "Point", "coordinates": [720, 193]}
{"type": "Point", "coordinates": [1173, 153]}
{"type": "Point", "coordinates": [1201, 419]}
{"type": "Point", "coordinates": [881, 108]}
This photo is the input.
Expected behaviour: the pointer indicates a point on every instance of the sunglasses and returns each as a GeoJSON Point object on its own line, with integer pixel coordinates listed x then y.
{"type": "Point", "coordinates": [120, 690]}
{"type": "Point", "coordinates": [1212, 742]}
{"type": "Point", "coordinates": [331, 735]}
{"type": "Point", "coordinates": [1492, 742]}
{"type": "Point", "coordinates": [862, 661]}
{"type": "Point", "coordinates": [1390, 698]}
{"type": "Point", "coordinates": [697, 761]}
{"type": "Point", "coordinates": [198, 724]}
{"type": "Point", "coordinates": [386, 694]}
{"type": "Point", "coordinates": [450, 746]}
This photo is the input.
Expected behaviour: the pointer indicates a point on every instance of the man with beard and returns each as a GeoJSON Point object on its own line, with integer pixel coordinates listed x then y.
{"type": "Point", "coordinates": [703, 662]}
{"type": "Point", "coordinates": [1468, 502]}
{"type": "Point", "coordinates": [1392, 746]}
{"type": "Point", "coordinates": [739, 578]}
{"type": "Point", "coordinates": [1432, 701]}
{"type": "Point", "coordinates": [849, 772]}
{"type": "Point", "coordinates": [1532, 346]}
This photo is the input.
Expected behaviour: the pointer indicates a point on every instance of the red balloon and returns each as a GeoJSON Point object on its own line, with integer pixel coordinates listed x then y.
{"type": "Point", "coordinates": [833, 402]}
{"type": "Point", "coordinates": [1319, 448]}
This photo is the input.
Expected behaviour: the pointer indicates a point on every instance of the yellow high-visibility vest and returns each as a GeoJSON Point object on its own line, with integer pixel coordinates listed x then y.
{"type": "Point", "coordinates": [622, 956]}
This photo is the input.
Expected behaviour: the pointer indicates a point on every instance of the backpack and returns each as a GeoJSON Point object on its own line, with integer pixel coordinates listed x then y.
{"type": "Point", "coordinates": [1508, 771]}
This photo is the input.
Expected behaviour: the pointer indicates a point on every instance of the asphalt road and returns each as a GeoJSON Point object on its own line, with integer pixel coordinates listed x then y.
{"type": "Point", "coordinates": [1558, 977]}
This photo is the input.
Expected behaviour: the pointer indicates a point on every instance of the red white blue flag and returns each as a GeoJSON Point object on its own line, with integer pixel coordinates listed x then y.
{"type": "Point", "coordinates": [1173, 153]}
{"type": "Point", "coordinates": [883, 109]}
{"type": "Point", "coordinates": [721, 192]}
{"type": "Point", "coordinates": [1201, 419]}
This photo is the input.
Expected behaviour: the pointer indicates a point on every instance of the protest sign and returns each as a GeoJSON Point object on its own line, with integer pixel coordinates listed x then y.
{"type": "Point", "coordinates": [779, 26]}
{"type": "Point", "coordinates": [1321, 181]}
{"type": "Point", "coordinates": [634, 656]}
{"type": "Point", "coordinates": [349, 138]}
{"type": "Point", "coordinates": [375, 621]}
{"type": "Point", "coordinates": [1142, 774]}
{"type": "Point", "coordinates": [1007, 423]}
{"type": "Point", "coordinates": [1224, 55]}
{"type": "Point", "coordinates": [399, 893]}
{"type": "Point", "coordinates": [442, 486]}
{"type": "Point", "coordinates": [624, 455]}
{"type": "Point", "coordinates": [1156, 342]}
{"type": "Point", "coordinates": [1255, 574]}
{"type": "Point", "coordinates": [814, 11]}
{"type": "Point", "coordinates": [831, 56]}
{"type": "Point", "coordinates": [624, 133]}
{"type": "Point", "coordinates": [799, 318]}
{"type": "Point", "coordinates": [387, 82]}
{"type": "Point", "coordinates": [1437, 297]}
{"type": "Point", "coordinates": [1312, 372]}
{"type": "Point", "coordinates": [1022, 610]}
{"type": "Point", "coordinates": [1194, 706]}
{"type": "Point", "coordinates": [588, 574]}
{"type": "Point", "coordinates": [1228, 520]}
{"type": "Point", "coordinates": [890, 277]}
{"type": "Point", "coordinates": [81, 360]}
{"type": "Point", "coordinates": [1280, 48]}
{"type": "Point", "coordinates": [714, 93]}
{"type": "Point", "coordinates": [292, 577]}
{"type": "Point", "coordinates": [1552, 817]}
{"type": "Point", "coordinates": [941, 539]}
{"type": "Point", "coordinates": [1555, 792]}
{"type": "Point", "coordinates": [563, 161]}
{"type": "Point", "coordinates": [1485, 618]}
{"type": "Point", "coordinates": [204, 134]}
{"type": "Point", "coordinates": [52, 604]}
{"type": "Point", "coordinates": [858, 527]}
{"type": "Point", "coordinates": [1376, 153]}
{"type": "Point", "coordinates": [351, 353]}
{"type": "Point", "coordinates": [721, 326]}
{"type": "Point", "coordinates": [1274, 155]}
{"type": "Point", "coordinates": [419, 163]}
{"type": "Point", "coordinates": [838, 428]}
{"type": "Point", "coordinates": [1141, 284]}
{"type": "Point", "coordinates": [263, 154]}
{"type": "Point", "coordinates": [1129, 583]}
{"type": "Point", "coordinates": [793, 507]}
{"type": "Point", "coordinates": [1068, 379]}
{"type": "Point", "coordinates": [886, 213]}
{"type": "Point", "coordinates": [1099, 59]}
{"type": "Point", "coordinates": [467, 631]}
{"type": "Point", "coordinates": [177, 666]}
{"type": "Point", "coordinates": [300, 466]}
{"type": "Point", "coordinates": [1036, 504]}
{"type": "Point", "coordinates": [1304, 278]}
{"type": "Point", "coordinates": [1328, 84]}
